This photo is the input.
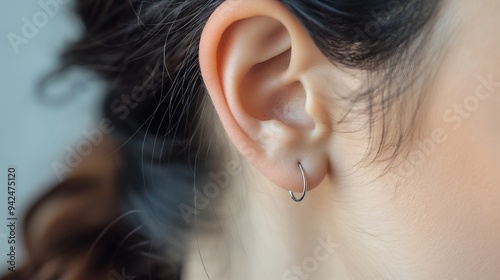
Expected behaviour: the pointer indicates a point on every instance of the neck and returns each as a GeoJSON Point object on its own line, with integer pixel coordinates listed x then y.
{"type": "Point", "coordinates": [263, 234]}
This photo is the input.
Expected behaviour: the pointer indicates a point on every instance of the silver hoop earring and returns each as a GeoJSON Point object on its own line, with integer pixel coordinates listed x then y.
{"type": "Point", "coordinates": [305, 186]}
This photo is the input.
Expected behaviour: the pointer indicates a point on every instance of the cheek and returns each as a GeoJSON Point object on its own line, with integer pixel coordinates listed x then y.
{"type": "Point", "coordinates": [450, 202]}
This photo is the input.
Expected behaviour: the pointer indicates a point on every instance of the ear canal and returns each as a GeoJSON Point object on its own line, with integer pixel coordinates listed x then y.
{"type": "Point", "coordinates": [260, 66]}
{"type": "Point", "coordinates": [288, 107]}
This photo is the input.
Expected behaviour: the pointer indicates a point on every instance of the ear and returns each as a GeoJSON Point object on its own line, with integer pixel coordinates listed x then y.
{"type": "Point", "coordinates": [265, 76]}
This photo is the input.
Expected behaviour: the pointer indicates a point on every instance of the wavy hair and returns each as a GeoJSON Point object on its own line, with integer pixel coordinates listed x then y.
{"type": "Point", "coordinates": [117, 213]}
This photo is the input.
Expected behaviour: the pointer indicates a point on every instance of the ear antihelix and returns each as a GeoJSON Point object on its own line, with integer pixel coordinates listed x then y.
{"type": "Point", "coordinates": [246, 59]}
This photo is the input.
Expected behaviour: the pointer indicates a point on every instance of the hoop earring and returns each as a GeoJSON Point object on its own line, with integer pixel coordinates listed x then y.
{"type": "Point", "coordinates": [305, 186]}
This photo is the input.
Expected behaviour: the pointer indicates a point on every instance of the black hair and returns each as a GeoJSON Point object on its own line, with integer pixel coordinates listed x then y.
{"type": "Point", "coordinates": [147, 53]}
{"type": "Point", "coordinates": [388, 39]}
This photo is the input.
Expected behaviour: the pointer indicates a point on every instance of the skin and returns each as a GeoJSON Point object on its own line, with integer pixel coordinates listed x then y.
{"type": "Point", "coordinates": [434, 218]}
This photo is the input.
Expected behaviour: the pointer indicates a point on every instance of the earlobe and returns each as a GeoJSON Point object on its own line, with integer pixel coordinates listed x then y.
{"type": "Point", "coordinates": [255, 60]}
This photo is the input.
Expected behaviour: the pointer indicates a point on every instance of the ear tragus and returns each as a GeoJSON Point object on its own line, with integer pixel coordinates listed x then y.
{"type": "Point", "coordinates": [246, 58]}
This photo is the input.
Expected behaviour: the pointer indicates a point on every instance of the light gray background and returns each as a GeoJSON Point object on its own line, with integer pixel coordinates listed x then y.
{"type": "Point", "coordinates": [34, 134]}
